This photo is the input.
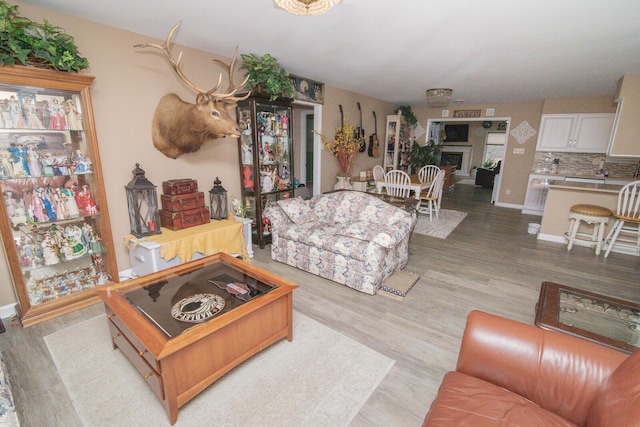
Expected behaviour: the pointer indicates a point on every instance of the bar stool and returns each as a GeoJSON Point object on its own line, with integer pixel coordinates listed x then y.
{"type": "Point", "coordinates": [597, 216]}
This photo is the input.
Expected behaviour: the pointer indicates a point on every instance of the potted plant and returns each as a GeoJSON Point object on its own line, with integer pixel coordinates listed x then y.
{"type": "Point", "coordinates": [267, 76]}
{"type": "Point", "coordinates": [420, 156]}
{"type": "Point", "coordinates": [25, 42]}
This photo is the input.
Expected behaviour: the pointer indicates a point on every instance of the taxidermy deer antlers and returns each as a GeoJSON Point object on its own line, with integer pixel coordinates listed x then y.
{"type": "Point", "coordinates": [180, 127]}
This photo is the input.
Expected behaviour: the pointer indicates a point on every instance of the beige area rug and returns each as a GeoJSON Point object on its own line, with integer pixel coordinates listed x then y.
{"type": "Point", "coordinates": [440, 227]}
{"type": "Point", "coordinates": [320, 378]}
{"type": "Point", "coordinates": [398, 284]}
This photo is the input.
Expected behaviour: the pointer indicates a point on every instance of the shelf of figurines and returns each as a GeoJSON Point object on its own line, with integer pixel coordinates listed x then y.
{"type": "Point", "coordinates": [60, 258]}
{"type": "Point", "coordinates": [46, 199]}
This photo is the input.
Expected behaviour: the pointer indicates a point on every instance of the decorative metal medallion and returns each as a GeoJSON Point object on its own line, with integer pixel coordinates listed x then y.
{"type": "Point", "coordinates": [197, 308]}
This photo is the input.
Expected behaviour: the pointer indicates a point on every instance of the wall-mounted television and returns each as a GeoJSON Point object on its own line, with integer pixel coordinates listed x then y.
{"type": "Point", "coordinates": [456, 133]}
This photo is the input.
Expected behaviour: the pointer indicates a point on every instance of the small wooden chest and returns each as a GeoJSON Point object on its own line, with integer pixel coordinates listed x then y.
{"type": "Point", "coordinates": [182, 202]}
{"type": "Point", "coordinates": [174, 187]}
{"type": "Point", "coordinates": [184, 219]}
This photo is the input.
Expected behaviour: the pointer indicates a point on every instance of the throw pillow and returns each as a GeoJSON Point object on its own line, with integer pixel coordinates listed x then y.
{"type": "Point", "coordinates": [297, 210]}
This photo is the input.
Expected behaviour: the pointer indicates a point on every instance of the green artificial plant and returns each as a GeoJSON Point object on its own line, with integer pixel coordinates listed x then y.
{"type": "Point", "coordinates": [25, 42]}
{"type": "Point", "coordinates": [420, 156]}
{"type": "Point", "coordinates": [409, 118]}
{"type": "Point", "coordinates": [266, 75]}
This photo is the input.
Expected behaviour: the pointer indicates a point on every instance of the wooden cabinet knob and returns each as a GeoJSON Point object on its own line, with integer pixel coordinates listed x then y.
{"type": "Point", "coordinates": [148, 375]}
{"type": "Point", "coordinates": [141, 353]}
{"type": "Point", "coordinates": [115, 336]}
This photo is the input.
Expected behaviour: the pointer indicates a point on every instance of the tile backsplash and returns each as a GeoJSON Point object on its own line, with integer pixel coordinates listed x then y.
{"type": "Point", "coordinates": [584, 164]}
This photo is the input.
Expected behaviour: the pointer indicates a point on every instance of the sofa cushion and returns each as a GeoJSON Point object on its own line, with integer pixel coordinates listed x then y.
{"type": "Point", "coordinates": [618, 399]}
{"type": "Point", "coordinates": [297, 210]}
{"type": "Point", "coordinates": [464, 400]}
{"type": "Point", "coordinates": [364, 230]}
{"type": "Point", "coordinates": [330, 238]}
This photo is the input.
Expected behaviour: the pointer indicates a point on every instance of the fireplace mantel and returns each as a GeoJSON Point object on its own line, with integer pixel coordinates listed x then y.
{"type": "Point", "coordinates": [466, 150]}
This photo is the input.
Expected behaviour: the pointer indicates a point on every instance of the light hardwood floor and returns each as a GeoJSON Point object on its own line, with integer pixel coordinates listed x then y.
{"type": "Point", "coordinates": [488, 263]}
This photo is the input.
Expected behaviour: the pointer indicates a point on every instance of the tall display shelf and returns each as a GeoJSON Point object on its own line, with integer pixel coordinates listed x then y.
{"type": "Point", "coordinates": [397, 144]}
{"type": "Point", "coordinates": [53, 219]}
{"type": "Point", "coordinates": [266, 159]}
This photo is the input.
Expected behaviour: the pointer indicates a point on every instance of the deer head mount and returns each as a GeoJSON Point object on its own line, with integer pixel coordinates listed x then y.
{"type": "Point", "coordinates": [180, 127]}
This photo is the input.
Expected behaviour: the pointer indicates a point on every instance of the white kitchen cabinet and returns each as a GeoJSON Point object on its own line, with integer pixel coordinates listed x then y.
{"type": "Point", "coordinates": [536, 196]}
{"type": "Point", "coordinates": [624, 136]}
{"type": "Point", "coordinates": [579, 133]}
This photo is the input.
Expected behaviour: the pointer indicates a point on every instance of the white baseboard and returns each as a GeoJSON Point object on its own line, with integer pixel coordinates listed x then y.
{"type": "Point", "coordinates": [508, 205]}
{"type": "Point", "coordinates": [627, 250]}
{"type": "Point", "coordinates": [8, 311]}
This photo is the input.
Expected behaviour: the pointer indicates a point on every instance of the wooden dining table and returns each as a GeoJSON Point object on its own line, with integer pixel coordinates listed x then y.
{"type": "Point", "coordinates": [416, 185]}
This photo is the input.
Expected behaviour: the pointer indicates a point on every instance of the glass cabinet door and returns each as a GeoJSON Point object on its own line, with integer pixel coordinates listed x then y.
{"type": "Point", "coordinates": [266, 159]}
{"type": "Point", "coordinates": [54, 220]}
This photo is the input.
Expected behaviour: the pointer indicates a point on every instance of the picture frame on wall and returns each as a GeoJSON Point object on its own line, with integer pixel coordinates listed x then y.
{"type": "Point", "coordinates": [308, 90]}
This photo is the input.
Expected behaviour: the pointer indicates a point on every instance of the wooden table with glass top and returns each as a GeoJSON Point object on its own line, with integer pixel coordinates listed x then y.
{"type": "Point", "coordinates": [185, 327]}
{"type": "Point", "coordinates": [599, 318]}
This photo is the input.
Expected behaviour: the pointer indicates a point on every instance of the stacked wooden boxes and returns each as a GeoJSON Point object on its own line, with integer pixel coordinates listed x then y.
{"type": "Point", "coordinates": [183, 205]}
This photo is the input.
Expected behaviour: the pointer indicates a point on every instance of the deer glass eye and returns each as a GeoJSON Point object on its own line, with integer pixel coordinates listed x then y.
{"type": "Point", "coordinates": [215, 114]}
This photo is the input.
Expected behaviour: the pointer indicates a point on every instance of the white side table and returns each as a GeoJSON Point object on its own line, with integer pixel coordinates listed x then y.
{"type": "Point", "coordinates": [246, 228]}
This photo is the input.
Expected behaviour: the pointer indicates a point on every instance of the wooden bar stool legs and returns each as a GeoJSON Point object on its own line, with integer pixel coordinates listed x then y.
{"type": "Point", "coordinates": [597, 216]}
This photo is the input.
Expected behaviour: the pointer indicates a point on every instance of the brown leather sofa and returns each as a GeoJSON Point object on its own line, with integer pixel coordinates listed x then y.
{"type": "Point", "coordinates": [512, 374]}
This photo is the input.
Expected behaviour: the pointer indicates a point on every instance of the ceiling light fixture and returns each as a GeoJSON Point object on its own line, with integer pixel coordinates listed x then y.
{"type": "Point", "coordinates": [439, 97]}
{"type": "Point", "coordinates": [307, 7]}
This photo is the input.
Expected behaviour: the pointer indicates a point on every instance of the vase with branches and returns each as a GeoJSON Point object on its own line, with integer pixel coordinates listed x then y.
{"type": "Point", "coordinates": [344, 147]}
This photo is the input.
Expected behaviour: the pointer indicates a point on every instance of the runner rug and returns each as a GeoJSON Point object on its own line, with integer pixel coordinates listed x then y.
{"type": "Point", "coordinates": [320, 378]}
{"type": "Point", "coordinates": [439, 227]}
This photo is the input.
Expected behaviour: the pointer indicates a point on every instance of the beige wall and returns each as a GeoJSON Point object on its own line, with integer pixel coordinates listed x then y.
{"type": "Point", "coordinates": [596, 104]}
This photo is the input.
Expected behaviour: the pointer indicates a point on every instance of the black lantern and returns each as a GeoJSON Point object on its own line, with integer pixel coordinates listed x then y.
{"type": "Point", "coordinates": [218, 200]}
{"type": "Point", "coordinates": [143, 205]}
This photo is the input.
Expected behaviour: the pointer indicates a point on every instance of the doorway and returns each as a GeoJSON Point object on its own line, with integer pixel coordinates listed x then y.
{"type": "Point", "coordinates": [307, 145]}
{"type": "Point", "coordinates": [481, 141]}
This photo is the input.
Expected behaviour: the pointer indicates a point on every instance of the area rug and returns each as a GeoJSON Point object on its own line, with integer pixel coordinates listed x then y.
{"type": "Point", "coordinates": [440, 227]}
{"type": "Point", "coordinates": [398, 284]}
{"type": "Point", "coordinates": [320, 378]}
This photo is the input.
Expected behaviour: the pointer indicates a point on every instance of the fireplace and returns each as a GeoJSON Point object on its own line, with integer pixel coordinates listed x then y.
{"type": "Point", "coordinates": [452, 159]}
{"type": "Point", "coordinates": [459, 155]}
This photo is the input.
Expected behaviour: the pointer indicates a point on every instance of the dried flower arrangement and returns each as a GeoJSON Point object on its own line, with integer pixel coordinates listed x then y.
{"type": "Point", "coordinates": [345, 146]}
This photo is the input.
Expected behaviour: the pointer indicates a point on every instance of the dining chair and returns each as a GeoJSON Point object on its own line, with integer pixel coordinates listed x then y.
{"type": "Point", "coordinates": [378, 175]}
{"type": "Point", "coordinates": [626, 230]}
{"type": "Point", "coordinates": [397, 183]}
{"type": "Point", "coordinates": [428, 173]}
{"type": "Point", "coordinates": [431, 197]}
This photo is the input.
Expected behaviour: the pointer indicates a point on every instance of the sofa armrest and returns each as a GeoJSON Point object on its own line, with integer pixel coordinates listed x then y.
{"type": "Point", "coordinates": [559, 372]}
{"type": "Point", "coordinates": [276, 216]}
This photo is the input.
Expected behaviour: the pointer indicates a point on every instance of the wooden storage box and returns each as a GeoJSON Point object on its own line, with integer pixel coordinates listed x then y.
{"type": "Point", "coordinates": [182, 202]}
{"type": "Point", "coordinates": [184, 219]}
{"type": "Point", "coordinates": [179, 186]}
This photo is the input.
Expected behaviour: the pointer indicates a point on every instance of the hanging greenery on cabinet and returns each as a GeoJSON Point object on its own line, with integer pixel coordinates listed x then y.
{"type": "Point", "coordinates": [409, 118]}
{"type": "Point", "coordinates": [24, 42]}
{"type": "Point", "coordinates": [267, 76]}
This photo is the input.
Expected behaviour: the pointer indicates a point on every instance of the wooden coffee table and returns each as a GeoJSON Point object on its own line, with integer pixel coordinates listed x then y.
{"type": "Point", "coordinates": [180, 358]}
{"type": "Point", "coordinates": [599, 318]}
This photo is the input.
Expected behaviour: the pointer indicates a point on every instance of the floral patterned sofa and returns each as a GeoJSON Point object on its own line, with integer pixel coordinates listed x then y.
{"type": "Point", "coordinates": [350, 237]}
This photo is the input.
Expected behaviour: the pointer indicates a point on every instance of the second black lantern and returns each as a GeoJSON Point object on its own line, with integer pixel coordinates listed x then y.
{"type": "Point", "coordinates": [218, 201]}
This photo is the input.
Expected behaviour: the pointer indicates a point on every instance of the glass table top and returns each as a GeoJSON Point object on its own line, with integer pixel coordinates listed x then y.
{"type": "Point", "coordinates": [599, 316]}
{"type": "Point", "coordinates": [181, 302]}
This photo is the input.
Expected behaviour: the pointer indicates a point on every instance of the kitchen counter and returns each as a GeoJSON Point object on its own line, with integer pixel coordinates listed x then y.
{"type": "Point", "coordinates": [562, 195]}
{"type": "Point", "coordinates": [577, 186]}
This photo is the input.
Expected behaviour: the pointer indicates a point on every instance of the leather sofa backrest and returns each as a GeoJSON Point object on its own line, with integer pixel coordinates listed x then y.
{"type": "Point", "coordinates": [618, 400]}
{"type": "Point", "coordinates": [560, 373]}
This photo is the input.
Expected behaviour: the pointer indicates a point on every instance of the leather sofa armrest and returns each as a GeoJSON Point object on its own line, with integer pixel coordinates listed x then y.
{"type": "Point", "coordinates": [559, 372]}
